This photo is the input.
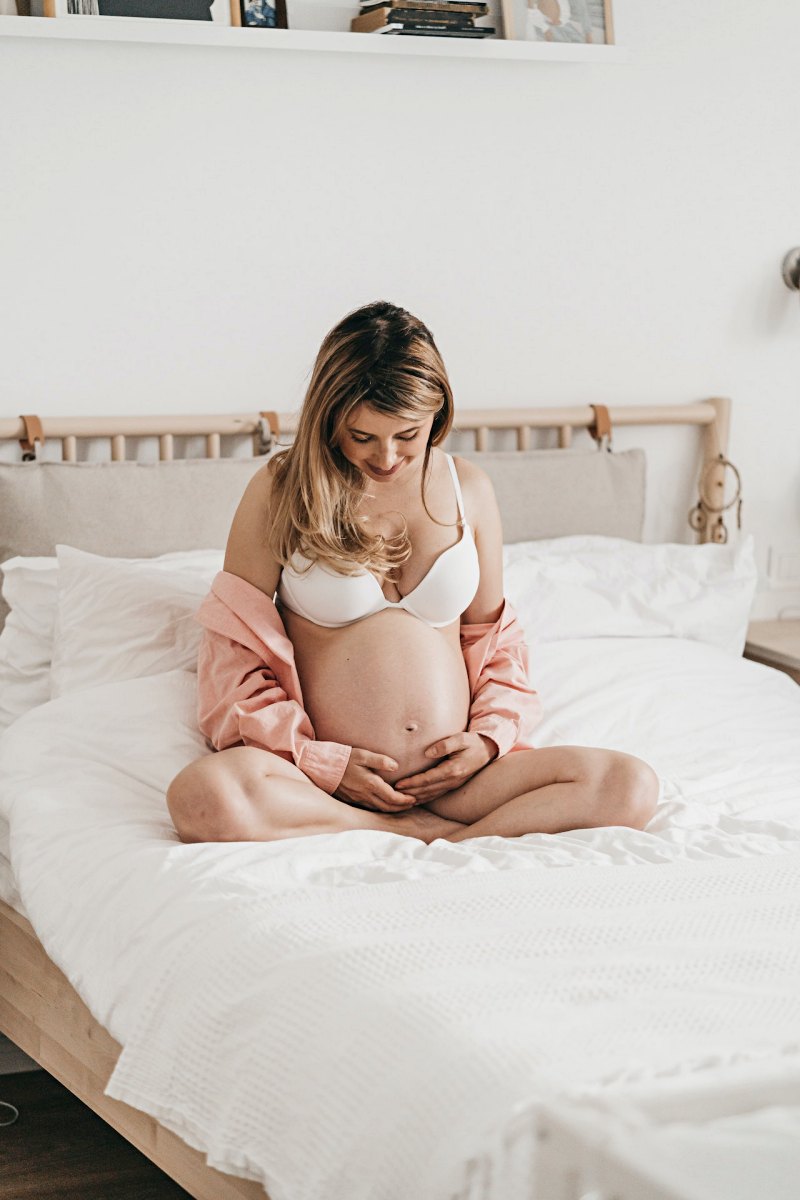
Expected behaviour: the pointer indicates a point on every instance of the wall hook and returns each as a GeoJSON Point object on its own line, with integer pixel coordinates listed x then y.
{"type": "Point", "coordinates": [791, 269]}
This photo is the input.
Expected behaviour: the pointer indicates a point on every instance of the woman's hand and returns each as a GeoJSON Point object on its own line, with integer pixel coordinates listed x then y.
{"type": "Point", "coordinates": [462, 755]}
{"type": "Point", "coordinates": [362, 785]}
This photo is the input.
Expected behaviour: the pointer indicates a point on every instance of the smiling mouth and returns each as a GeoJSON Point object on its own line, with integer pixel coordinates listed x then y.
{"type": "Point", "coordinates": [386, 474]}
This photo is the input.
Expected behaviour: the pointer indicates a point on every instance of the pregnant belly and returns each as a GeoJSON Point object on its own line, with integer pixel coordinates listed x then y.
{"type": "Point", "coordinates": [388, 683]}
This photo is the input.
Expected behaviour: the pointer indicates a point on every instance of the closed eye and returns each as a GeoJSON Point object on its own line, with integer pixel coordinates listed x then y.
{"type": "Point", "coordinates": [363, 438]}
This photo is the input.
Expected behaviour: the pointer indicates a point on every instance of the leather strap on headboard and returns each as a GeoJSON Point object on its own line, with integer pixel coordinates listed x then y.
{"type": "Point", "coordinates": [34, 434]}
{"type": "Point", "coordinates": [600, 429]}
{"type": "Point", "coordinates": [268, 421]}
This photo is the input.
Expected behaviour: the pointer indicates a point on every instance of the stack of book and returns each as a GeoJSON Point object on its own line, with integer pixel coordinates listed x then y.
{"type": "Point", "coordinates": [423, 18]}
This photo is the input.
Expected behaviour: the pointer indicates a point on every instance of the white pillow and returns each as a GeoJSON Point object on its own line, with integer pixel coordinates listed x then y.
{"type": "Point", "coordinates": [26, 642]}
{"type": "Point", "coordinates": [124, 618]}
{"type": "Point", "coordinates": [580, 587]}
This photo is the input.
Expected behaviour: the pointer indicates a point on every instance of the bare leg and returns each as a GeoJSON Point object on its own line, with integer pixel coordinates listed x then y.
{"type": "Point", "coordinates": [249, 795]}
{"type": "Point", "coordinates": [549, 791]}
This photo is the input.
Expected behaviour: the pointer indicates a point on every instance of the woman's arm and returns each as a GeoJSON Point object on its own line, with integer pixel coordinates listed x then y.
{"type": "Point", "coordinates": [504, 708]}
{"type": "Point", "coordinates": [246, 696]}
{"type": "Point", "coordinates": [246, 553]}
{"type": "Point", "coordinates": [248, 689]}
{"type": "Point", "coordinates": [483, 516]}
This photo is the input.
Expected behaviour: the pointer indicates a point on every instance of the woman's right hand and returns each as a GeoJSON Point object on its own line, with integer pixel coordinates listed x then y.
{"type": "Point", "coordinates": [363, 786]}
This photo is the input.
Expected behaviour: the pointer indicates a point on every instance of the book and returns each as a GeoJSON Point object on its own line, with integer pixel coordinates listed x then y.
{"type": "Point", "coordinates": [384, 15]}
{"type": "Point", "coordinates": [184, 10]}
{"type": "Point", "coordinates": [476, 7]}
{"type": "Point", "coordinates": [430, 27]}
{"type": "Point", "coordinates": [425, 31]}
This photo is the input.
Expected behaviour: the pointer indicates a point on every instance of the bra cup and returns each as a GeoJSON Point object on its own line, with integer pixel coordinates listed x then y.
{"type": "Point", "coordinates": [310, 593]}
{"type": "Point", "coordinates": [450, 585]}
{"type": "Point", "coordinates": [318, 594]}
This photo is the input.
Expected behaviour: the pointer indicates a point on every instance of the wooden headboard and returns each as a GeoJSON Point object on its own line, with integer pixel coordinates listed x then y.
{"type": "Point", "coordinates": [38, 437]}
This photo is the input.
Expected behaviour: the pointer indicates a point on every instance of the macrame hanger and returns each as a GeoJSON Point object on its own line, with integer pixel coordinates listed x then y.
{"type": "Point", "coordinates": [8, 1113]}
{"type": "Point", "coordinates": [701, 517]}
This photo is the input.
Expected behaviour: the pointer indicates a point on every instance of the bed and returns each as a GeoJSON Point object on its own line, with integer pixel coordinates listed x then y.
{"type": "Point", "coordinates": [364, 1015]}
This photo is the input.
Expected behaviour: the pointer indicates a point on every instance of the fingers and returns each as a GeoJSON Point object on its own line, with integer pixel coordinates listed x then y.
{"type": "Point", "coordinates": [362, 783]}
{"type": "Point", "coordinates": [448, 745]}
{"type": "Point", "coordinates": [381, 796]}
{"type": "Point", "coordinates": [375, 762]}
{"type": "Point", "coordinates": [440, 780]}
{"type": "Point", "coordinates": [435, 785]}
{"type": "Point", "coordinates": [390, 799]}
{"type": "Point", "coordinates": [426, 795]}
{"type": "Point", "coordinates": [424, 779]}
{"type": "Point", "coordinates": [413, 781]}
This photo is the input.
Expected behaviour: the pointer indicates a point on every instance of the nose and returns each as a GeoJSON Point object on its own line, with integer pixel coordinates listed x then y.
{"type": "Point", "coordinates": [386, 457]}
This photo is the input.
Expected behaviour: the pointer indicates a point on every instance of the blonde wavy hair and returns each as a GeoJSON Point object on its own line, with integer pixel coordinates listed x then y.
{"type": "Point", "coordinates": [381, 356]}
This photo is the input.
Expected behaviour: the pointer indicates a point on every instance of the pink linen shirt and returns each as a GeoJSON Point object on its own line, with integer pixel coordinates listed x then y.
{"type": "Point", "coordinates": [249, 690]}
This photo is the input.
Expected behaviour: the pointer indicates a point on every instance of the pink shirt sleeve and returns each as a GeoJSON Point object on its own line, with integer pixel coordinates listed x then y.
{"type": "Point", "coordinates": [504, 707]}
{"type": "Point", "coordinates": [247, 683]}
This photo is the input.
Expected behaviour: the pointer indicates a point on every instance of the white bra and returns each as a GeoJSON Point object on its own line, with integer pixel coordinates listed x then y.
{"type": "Point", "coordinates": [327, 598]}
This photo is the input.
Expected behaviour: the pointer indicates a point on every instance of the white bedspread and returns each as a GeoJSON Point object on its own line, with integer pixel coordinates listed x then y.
{"type": "Point", "coordinates": [357, 1016]}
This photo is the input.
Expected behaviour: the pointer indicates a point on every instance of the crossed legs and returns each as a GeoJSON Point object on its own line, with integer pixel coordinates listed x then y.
{"type": "Point", "coordinates": [247, 794]}
{"type": "Point", "coordinates": [552, 790]}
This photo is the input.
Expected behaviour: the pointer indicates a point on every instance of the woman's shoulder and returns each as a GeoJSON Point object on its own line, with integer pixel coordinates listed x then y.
{"type": "Point", "coordinates": [473, 479]}
{"type": "Point", "coordinates": [480, 502]}
{"type": "Point", "coordinates": [246, 553]}
{"type": "Point", "coordinates": [260, 484]}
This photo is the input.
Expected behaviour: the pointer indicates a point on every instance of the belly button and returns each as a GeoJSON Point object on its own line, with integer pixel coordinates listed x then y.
{"type": "Point", "coordinates": [412, 727]}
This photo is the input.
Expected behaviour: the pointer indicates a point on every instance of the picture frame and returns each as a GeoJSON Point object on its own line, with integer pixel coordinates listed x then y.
{"type": "Point", "coordinates": [263, 14]}
{"type": "Point", "coordinates": [572, 22]}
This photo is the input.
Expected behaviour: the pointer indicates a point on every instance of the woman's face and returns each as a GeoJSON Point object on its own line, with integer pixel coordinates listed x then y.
{"type": "Point", "coordinates": [382, 446]}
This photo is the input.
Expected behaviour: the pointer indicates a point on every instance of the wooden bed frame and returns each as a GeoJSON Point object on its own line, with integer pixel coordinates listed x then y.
{"type": "Point", "coordinates": [39, 1009]}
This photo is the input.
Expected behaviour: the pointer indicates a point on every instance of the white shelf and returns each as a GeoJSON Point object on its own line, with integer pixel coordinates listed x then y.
{"type": "Point", "coordinates": [207, 33]}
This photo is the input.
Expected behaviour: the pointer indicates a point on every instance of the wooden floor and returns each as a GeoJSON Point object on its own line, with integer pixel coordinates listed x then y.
{"type": "Point", "coordinates": [59, 1150]}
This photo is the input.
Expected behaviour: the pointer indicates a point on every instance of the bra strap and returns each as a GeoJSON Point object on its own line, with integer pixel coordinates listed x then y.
{"type": "Point", "coordinates": [457, 486]}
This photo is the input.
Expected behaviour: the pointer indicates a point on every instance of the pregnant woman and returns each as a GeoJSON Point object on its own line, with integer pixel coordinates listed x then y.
{"type": "Point", "coordinates": [360, 668]}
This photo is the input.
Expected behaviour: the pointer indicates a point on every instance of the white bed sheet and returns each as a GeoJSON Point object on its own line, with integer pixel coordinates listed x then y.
{"type": "Point", "coordinates": [698, 1146]}
{"type": "Point", "coordinates": [392, 1004]}
{"type": "Point", "coordinates": [8, 887]}
{"type": "Point", "coordinates": [8, 884]}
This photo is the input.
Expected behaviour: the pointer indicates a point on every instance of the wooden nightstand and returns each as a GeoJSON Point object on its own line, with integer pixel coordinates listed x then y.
{"type": "Point", "coordinates": [776, 643]}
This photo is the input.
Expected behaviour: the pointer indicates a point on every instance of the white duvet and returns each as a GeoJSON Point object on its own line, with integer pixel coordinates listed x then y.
{"type": "Point", "coordinates": [361, 1016]}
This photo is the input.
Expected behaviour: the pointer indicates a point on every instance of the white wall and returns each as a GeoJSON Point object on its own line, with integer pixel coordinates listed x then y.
{"type": "Point", "coordinates": [181, 225]}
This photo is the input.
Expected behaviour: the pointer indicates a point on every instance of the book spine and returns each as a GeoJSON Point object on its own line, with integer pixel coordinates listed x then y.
{"type": "Point", "coordinates": [391, 16]}
{"type": "Point", "coordinates": [427, 27]}
{"type": "Point", "coordinates": [425, 16]}
{"type": "Point", "coordinates": [428, 31]}
{"type": "Point", "coordinates": [477, 9]}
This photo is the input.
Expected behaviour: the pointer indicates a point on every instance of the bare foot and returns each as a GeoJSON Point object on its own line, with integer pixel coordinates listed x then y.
{"type": "Point", "coordinates": [423, 824]}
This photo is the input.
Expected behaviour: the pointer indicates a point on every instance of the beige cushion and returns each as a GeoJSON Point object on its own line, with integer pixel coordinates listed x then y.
{"type": "Point", "coordinates": [554, 493]}
{"type": "Point", "coordinates": [138, 510]}
{"type": "Point", "coordinates": [128, 510]}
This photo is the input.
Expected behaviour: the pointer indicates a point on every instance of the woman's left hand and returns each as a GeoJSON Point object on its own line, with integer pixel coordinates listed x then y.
{"type": "Point", "coordinates": [462, 755]}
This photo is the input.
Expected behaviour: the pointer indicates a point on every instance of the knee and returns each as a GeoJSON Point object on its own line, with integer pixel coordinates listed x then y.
{"type": "Point", "coordinates": [207, 804]}
{"type": "Point", "coordinates": [629, 792]}
{"type": "Point", "coordinates": [196, 805]}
